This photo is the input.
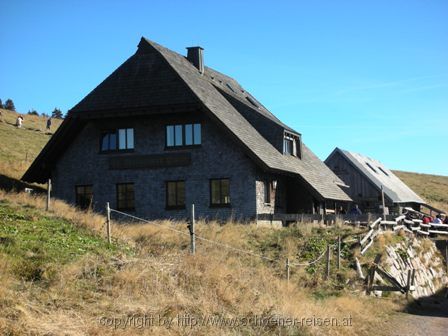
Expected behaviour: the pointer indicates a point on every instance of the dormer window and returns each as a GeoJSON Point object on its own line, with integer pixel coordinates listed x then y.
{"type": "Point", "coordinates": [288, 144]}
{"type": "Point", "coordinates": [251, 101]}
{"type": "Point", "coordinates": [292, 145]}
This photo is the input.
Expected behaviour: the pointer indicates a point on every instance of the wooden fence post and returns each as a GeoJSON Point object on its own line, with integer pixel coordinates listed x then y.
{"type": "Point", "coordinates": [384, 203]}
{"type": "Point", "coordinates": [287, 269]}
{"type": "Point", "coordinates": [192, 233]}
{"type": "Point", "coordinates": [371, 278]}
{"type": "Point", "coordinates": [339, 253]}
{"type": "Point", "coordinates": [327, 273]}
{"type": "Point", "coordinates": [408, 284]}
{"type": "Point", "coordinates": [48, 194]}
{"type": "Point", "coordinates": [359, 269]}
{"type": "Point", "coordinates": [108, 231]}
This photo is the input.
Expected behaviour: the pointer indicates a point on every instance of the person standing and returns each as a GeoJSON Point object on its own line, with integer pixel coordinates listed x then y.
{"type": "Point", "coordinates": [19, 121]}
{"type": "Point", "coordinates": [355, 210]}
{"type": "Point", "coordinates": [49, 124]}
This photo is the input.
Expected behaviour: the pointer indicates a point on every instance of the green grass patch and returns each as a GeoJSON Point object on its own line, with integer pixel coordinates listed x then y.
{"type": "Point", "coordinates": [37, 245]}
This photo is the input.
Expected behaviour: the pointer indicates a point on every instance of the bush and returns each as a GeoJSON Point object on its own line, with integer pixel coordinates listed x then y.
{"type": "Point", "coordinates": [9, 105]}
{"type": "Point", "coordinates": [33, 112]}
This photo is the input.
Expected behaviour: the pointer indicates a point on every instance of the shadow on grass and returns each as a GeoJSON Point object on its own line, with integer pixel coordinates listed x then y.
{"type": "Point", "coordinates": [11, 184]}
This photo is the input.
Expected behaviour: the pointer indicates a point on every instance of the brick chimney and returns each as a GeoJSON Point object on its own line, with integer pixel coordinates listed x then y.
{"type": "Point", "coordinates": [196, 57]}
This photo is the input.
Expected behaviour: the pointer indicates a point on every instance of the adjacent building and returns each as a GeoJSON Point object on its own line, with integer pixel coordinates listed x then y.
{"type": "Point", "coordinates": [366, 178]}
{"type": "Point", "coordinates": [164, 131]}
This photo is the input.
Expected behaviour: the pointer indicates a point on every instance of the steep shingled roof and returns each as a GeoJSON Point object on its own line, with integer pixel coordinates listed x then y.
{"type": "Point", "coordinates": [379, 175]}
{"type": "Point", "coordinates": [143, 81]}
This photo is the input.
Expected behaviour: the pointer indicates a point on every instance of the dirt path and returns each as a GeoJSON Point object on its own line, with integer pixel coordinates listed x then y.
{"type": "Point", "coordinates": [415, 325]}
{"type": "Point", "coordinates": [429, 317]}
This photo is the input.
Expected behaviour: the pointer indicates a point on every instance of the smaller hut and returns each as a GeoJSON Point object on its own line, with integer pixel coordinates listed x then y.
{"type": "Point", "coordinates": [366, 178]}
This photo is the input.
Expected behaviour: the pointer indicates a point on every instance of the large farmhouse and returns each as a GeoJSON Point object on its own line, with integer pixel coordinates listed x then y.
{"type": "Point", "coordinates": [164, 131]}
{"type": "Point", "coordinates": [368, 178]}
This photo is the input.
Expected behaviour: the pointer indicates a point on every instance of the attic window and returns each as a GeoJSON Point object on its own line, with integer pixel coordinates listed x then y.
{"type": "Point", "coordinates": [384, 172]}
{"type": "Point", "coordinates": [230, 87]}
{"type": "Point", "coordinates": [250, 100]}
{"type": "Point", "coordinates": [292, 145]}
{"type": "Point", "coordinates": [370, 166]}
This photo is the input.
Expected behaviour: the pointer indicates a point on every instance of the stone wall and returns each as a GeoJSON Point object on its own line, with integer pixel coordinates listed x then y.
{"type": "Point", "coordinates": [421, 255]}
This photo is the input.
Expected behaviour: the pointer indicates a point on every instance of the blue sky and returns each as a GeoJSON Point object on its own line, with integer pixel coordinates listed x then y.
{"type": "Point", "coordinates": [367, 76]}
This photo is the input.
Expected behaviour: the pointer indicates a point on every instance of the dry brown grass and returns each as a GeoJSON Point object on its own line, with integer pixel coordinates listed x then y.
{"type": "Point", "coordinates": [163, 279]}
{"type": "Point", "coordinates": [19, 147]}
{"type": "Point", "coordinates": [433, 188]}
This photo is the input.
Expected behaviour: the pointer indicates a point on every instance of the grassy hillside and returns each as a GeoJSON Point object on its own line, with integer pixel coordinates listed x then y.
{"type": "Point", "coordinates": [19, 147]}
{"type": "Point", "coordinates": [58, 276]}
{"type": "Point", "coordinates": [433, 188]}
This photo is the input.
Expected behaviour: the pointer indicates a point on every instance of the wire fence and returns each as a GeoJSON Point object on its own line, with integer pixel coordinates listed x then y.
{"type": "Point", "coordinates": [194, 236]}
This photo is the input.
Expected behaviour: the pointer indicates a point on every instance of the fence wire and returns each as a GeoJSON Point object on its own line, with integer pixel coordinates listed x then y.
{"type": "Point", "coordinates": [149, 222]}
{"type": "Point", "coordinates": [230, 247]}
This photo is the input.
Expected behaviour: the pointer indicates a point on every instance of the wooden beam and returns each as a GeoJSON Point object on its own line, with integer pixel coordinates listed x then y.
{"type": "Point", "coordinates": [438, 232]}
{"type": "Point", "coordinates": [375, 223]}
{"type": "Point", "coordinates": [385, 288]}
{"type": "Point", "coordinates": [366, 247]}
{"type": "Point", "coordinates": [367, 236]}
{"type": "Point", "coordinates": [391, 279]}
{"type": "Point", "coordinates": [385, 222]}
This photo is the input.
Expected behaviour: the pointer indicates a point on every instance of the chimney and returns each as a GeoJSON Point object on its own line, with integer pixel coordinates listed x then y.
{"type": "Point", "coordinates": [196, 57]}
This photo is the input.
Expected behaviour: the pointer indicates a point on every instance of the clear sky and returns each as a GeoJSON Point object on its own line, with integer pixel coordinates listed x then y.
{"type": "Point", "coordinates": [366, 76]}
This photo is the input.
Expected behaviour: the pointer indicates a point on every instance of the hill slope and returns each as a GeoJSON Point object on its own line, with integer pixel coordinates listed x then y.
{"type": "Point", "coordinates": [59, 277]}
{"type": "Point", "coordinates": [433, 188]}
{"type": "Point", "coordinates": [19, 147]}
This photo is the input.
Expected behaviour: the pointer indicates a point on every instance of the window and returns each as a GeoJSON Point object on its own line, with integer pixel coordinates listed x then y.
{"type": "Point", "coordinates": [84, 196]}
{"type": "Point", "coordinates": [384, 172]}
{"type": "Point", "coordinates": [288, 144]}
{"type": "Point", "coordinates": [183, 135]}
{"type": "Point", "coordinates": [109, 141]}
{"type": "Point", "coordinates": [267, 192]}
{"type": "Point", "coordinates": [370, 166]}
{"type": "Point", "coordinates": [220, 192]}
{"type": "Point", "coordinates": [230, 87]}
{"type": "Point", "coordinates": [178, 137]}
{"type": "Point", "coordinates": [251, 101]}
{"type": "Point", "coordinates": [121, 139]}
{"type": "Point", "coordinates": [292, 145]}
{"type": "Point", "coordinates": [175, 195]}
{"type": "Point", "coordinates": [125, 138]}
{"type": "Point", "coordinates": [125, 196]}
{"type": "Point", "coordinates": [188, 135]}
